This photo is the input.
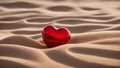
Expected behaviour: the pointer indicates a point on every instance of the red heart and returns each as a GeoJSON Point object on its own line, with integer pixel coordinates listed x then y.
{"type": "Point", "coordinates": [54, 37]}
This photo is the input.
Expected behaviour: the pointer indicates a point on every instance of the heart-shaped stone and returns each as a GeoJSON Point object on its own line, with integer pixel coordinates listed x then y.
{"type": "Point", "coordinates": [54, 37]}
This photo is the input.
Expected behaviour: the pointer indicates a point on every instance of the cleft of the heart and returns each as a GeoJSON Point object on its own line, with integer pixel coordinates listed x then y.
{"type": "Point", "coordinates": [53, 36]}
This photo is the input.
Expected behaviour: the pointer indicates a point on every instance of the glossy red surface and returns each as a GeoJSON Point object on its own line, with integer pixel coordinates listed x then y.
{"type": "Point", "coordinates": [54, 37]}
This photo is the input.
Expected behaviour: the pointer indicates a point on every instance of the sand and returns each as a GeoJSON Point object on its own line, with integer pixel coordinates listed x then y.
{"type": "Point", "coordinates": [94, 27]}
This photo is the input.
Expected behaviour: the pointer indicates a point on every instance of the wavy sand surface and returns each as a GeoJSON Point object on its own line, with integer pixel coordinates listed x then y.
{"type": "Point", "coordinates": [94, 26]}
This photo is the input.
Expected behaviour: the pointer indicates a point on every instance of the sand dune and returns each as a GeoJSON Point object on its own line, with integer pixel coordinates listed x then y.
{"type": "Point", "coordinates": [94, 27]}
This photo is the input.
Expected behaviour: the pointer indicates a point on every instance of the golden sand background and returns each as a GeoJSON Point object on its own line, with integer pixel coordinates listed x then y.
{"type": "Point", "coordinates": [94, 26]}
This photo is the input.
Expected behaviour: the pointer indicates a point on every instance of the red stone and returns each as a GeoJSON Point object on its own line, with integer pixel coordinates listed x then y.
{"type": "Point", "coordinates": [54, 37]}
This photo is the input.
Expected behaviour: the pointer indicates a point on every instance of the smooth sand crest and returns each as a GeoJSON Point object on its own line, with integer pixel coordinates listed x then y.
{"type": "Point", "coordinates": [94, 27]}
